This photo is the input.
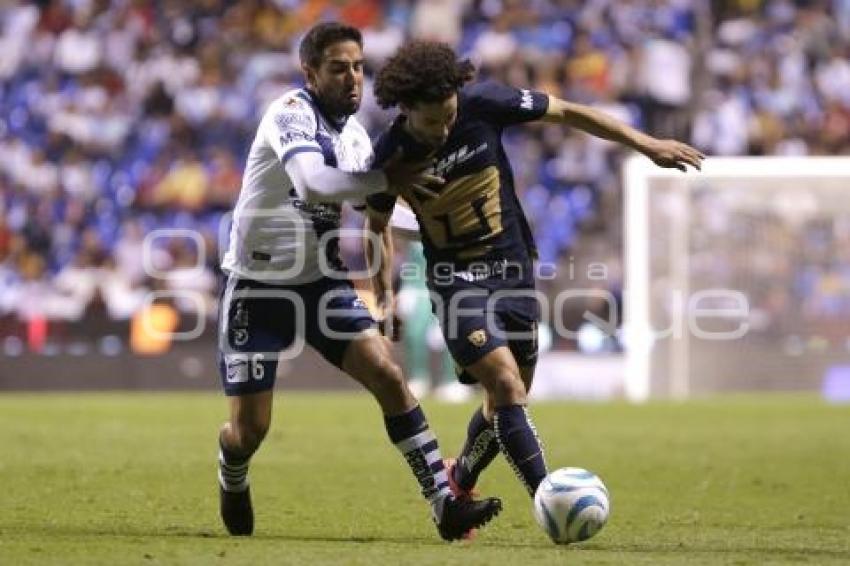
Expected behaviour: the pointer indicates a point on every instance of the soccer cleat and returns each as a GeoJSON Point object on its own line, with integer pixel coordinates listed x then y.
{"type": "Point", "coordinates": [236, 511]}
{"type": "Point", "coordinates": [459, 492]}
{"type": "Point", "coordinates": [462, 515]}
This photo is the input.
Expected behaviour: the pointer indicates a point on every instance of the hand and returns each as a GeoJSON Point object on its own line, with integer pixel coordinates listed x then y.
{"type": "Point", "coordinates": [387, 315]}
{"type": "Point", "coordinates": [392, 332]}
{"type": "Point", "coordinates": [403, 174]}
{"type": "Point", "coordinates": [672, 154]}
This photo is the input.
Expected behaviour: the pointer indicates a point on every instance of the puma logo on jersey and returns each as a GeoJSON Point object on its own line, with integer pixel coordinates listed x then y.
{"type": "Point", "coordinates": [455, 158]}
{"type": "Point", "coordinates": [477, 338]}
{"type": "Point", "coordinates": [527, 102]}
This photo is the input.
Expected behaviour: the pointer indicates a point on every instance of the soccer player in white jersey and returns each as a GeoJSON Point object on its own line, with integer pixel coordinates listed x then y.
{"type": "Point", "coordinates": [284, 279]}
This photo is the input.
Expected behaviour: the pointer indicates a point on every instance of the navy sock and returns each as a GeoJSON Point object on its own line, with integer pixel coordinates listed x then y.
{"type": "Point", "coordinates": [411, 435]}
{"type": "Point", "coordinates": [480, 448]}
{"type": "Point", "coordinates": [518, 441]}
{"type": "Point", "coordinates": [232, 469]}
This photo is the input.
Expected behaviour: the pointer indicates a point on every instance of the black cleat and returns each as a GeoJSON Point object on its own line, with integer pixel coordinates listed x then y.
{"type": "Point", "coordinates": [236, 511]}
{"type": "Point", "coordinates": [462, 515]}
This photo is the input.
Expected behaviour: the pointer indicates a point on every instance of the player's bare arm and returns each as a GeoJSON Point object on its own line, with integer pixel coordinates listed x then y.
{"type": "Point", "coordinates": [664, 153]}
{"type": "Point", "coordinates": [378, 231]}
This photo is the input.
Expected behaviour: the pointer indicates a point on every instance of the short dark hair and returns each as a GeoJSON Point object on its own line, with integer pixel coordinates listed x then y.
{"type": "Point", "coordinates": [421, 71]}
{"type": "Point", "coordinates": [321, 36]}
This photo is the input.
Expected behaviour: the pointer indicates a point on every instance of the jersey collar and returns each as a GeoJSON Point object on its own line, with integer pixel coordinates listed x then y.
{"type": "Point", "coordinates": [338, 122]}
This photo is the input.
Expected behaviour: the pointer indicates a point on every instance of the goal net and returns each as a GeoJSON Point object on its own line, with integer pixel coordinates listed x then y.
{"type": "Point", "coordinates": [737, 277]}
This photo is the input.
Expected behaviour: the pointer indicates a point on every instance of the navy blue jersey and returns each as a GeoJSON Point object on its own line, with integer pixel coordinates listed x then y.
{"type": "Point", "coordinates": [477, 216]}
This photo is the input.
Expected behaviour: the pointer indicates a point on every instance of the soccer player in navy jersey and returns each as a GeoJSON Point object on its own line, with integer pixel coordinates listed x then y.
{"type": "Point", "coordinates": [477, 241]}
{"type": "Point", "coordinates": [309, 155]}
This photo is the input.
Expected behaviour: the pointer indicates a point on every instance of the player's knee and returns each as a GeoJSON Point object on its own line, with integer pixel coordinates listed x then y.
{"type": "Point", "coordinates": [249, 435]}
{"type": "Point", "coordinates": [506, 387]}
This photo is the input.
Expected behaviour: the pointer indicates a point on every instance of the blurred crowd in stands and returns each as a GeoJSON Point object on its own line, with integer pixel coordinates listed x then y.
{"type": "Point", "coordinates": [125, 116]}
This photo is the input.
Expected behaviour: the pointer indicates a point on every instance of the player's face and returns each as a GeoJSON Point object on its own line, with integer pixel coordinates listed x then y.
{"type": "Point", "coordinates": [430, 123]}
{"type": "Point", "coordinates": [338, 81]}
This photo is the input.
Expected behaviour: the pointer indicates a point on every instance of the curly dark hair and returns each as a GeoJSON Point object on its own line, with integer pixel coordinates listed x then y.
{"type": "Point", "coordinates": [321, 36]}
{"type": "Point", "coordinates": [421, 71]}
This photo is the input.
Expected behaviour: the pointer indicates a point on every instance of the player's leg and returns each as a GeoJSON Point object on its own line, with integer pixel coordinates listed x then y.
{"type": "Point", "coordinates": [239, 438]}
{"type": "Point", "coordinates": [526, 373]}
{"type": "Point", "coordinates": [249, 339]}
{"type": "Point", "coordinates": [479, 449]}
{"type": "Point", "coordinates": [500, 376]}
{"type": "Point", "coordinates": [481, 446]}
{"type": "Point", "coordinates": [416, 358]}
{"type": "Point", "coordinates": [524, 351]}
{"type": "Point", "coordinates": [460, 306]}
{"type": "Point", "coordinates": [367, 359]}
{"type": "Point", "coordinates": [365, 355]}
{"type": "Point", "coordinates": [518, 316]}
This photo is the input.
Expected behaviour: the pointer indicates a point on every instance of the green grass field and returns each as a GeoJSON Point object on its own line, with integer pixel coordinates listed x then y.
{"type": "Point", "coordinates": [130, 479]}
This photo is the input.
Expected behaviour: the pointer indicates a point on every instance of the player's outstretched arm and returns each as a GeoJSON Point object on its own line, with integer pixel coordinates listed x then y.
{"type": "Point", "coordinates": [664, 153]}
{"type": "Point", "coordinates": [316, 182]}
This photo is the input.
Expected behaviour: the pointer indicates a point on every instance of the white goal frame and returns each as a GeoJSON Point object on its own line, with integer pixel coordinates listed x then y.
{"type": "Point", "coordinates": [638, 174]}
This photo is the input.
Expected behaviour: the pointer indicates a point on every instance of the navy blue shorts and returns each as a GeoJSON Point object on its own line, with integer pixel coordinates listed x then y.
{"type": "Point", "coordinates": [258, 320]}
{"type": "Point", "coordinates": [477, 317]}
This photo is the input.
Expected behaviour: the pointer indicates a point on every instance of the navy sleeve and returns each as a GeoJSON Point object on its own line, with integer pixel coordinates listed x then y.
{"type": "Point", "coordinates": [506, 105]}
{"type": "Point", "coordinates": [384, 148]}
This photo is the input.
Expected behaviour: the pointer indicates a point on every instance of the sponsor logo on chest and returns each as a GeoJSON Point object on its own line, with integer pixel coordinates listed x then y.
{"type": "Point", "coordinates": [526, 102]}
{"type": "Point", "coordinates": [458, 157]}
{"type": "Point", "coordinates": [326, 212]}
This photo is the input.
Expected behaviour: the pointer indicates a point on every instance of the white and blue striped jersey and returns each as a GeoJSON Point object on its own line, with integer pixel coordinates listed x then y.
{"type": "Point", "coordinates": [276, 236]}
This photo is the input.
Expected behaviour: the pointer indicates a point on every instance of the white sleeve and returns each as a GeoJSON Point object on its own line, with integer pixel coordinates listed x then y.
{"type": "Point", "coordinates": [289, 127]}
{"type": "Point", "coordinates": [316, 182]}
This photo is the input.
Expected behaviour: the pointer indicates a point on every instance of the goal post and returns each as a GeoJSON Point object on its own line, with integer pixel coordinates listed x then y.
{"type": "Point", "coordinates": [736, 277]}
